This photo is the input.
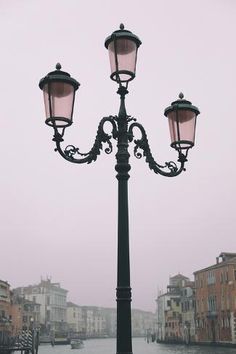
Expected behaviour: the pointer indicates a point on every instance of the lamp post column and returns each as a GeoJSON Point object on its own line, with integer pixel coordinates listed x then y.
{"type": "Point", "coordinates": [59, 93]}
{"type": "Point", "coordinates": [124, 337]}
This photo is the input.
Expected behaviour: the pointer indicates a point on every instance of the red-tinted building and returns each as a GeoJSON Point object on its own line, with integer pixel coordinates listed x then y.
{"type": "Point", "coordinates": [5, 307]}
{"type": "Point", "coordinates": [216, 301]}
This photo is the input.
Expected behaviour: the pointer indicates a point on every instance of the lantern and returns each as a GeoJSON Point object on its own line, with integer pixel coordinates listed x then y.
{"type": "Point", "coordinates": [182, 117]}
{"type": "Point", "coordinates": [122, 46]}
{"type": "Point", "coordinates": [59, 94]}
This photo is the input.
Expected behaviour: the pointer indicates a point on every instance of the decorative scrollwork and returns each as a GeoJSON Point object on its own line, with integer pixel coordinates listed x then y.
{"type": "Point", "coordinates": [101, 138]}
{"type": "Point", "coordinates": [142, 144]}
{"type": "Point", "coordinates": [71, 150]}
{"type": "Point", "coordinates": [141, 148]}
{"type": "Point", "coordinates": [172, 166]}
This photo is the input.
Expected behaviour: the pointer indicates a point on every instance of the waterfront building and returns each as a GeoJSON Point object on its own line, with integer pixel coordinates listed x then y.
{"type": "Point", "coordinates": [97, 322]}
{"type": "Point", "coordinates": [52, 300]}
{"type": "Point", "coordinates": [178, 281]}
{"type": "Point", "coordinates": [173, 317]}
{"type": "Point", "coordinates": [5, 308]}
{"type": "Point", "coordinates": [216, 301]}
{"type": "Point", "coordinates": [163, 305]}
{"type": "Point", "coordinates": [187, 301]}
{"type": "Point", "coordinates": [25, 313]}
{"type": "Point", "coordinates": [143, 323]}
{"type": "Point", "coordinates": [94, 320]}
{"type": "Point", "coordinates": [170, 325]}
{"type": "Point", "coordinates": [110, 321]}
{"type": "Point", "coordinates": [85, 321]}
{"type": "Point", "coordinates": [17, 318]}
{"type": "Point", "coordinates": [31, 314]}
{"type": "Point", "coordinates": [75, 320]}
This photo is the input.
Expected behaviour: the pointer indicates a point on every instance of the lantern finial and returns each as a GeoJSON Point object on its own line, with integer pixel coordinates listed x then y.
{"type": "Point", "coordinates": [58, 66]}
{"type": "Point", "coordinates": [122, 26]}
{"type": "Point", "coordinates": [181, 95]}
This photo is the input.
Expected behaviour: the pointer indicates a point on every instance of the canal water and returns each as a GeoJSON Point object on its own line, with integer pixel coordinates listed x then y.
{"type": "Point", "coordinates": [140, 346]}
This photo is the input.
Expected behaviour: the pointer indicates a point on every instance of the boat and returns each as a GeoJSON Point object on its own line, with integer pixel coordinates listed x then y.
{"type": "Point", "coordinates": [76, 344]}
{"type": "Point", "coordinates": [61, 341]}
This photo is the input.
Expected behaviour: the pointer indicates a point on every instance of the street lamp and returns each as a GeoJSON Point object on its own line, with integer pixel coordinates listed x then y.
{"type": "Point", "coordinates": [59, 93]}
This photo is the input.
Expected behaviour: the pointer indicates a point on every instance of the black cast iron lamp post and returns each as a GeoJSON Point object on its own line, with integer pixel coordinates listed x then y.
{"type": "Point", "coordinates": [59, 93]}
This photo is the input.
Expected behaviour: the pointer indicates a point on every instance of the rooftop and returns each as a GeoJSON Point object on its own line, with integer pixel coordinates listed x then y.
{"type": "Point", "coordinates": [226, 258]}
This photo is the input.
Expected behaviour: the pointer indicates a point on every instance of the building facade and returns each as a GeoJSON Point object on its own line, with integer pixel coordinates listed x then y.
{"type": "Point", "coordinates": [25, 313]}
{"type": "Point", "coordinates": [143, 323]}
{"type": "Point", "coordinates": [216, 301]}
{"type": "Point", "coordinates": [110, 320]}
{"type": "Point", "coordinates": [53, 309]}
{"type": "Point", "coordinates": [176, 311]}
{"type": "Point", "coordinates": [75, 320]}
{"type": "Point", "coordinates": [173, 318]}
{"type": "Point", "coordinates": [94, 321]}
{"type": "Point", "coordinates": [163, 305]}
{"type": "Point", "coordinates": [5, 308]}
{"type": "Point", "coordinates": [188, 306]}
{"type": "Point", "coordinates": [99, 322]}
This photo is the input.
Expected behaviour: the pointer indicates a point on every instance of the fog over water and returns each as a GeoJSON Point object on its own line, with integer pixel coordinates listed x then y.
{"type": "Point", "coordinates": [108, 346]}
{"type": "Point", "coordinates": [59, 219]}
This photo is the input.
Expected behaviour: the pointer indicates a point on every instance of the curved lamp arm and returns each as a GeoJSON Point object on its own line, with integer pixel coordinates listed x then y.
{"type": "Point", "coordinates": [142, 144]}
{"type": "Point", "coordinates": [101, 137]}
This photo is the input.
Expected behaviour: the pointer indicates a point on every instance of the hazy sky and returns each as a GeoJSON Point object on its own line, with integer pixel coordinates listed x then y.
{"type": "Point", "coordinates": [60, 219]}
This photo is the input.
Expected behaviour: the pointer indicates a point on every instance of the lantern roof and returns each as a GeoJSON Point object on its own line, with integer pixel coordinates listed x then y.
{"type": "Point", "coordinates": [122, 33]}
{"type": "Point", "coordinates": [58, 75]}
{"type": "Point", "coordinates": [181, 103]}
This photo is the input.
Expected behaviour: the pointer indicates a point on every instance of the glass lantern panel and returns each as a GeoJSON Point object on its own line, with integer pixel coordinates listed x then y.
{"type": "Point", "coordinates": [59, 100]}
{"type": "Point", "coordinates": [126, 51]}
{"type": "Point", "coordinates": [183, 127]}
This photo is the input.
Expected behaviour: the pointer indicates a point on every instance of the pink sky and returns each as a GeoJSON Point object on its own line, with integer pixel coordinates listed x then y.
{"type": "Point", "coordinates": [60, 219]}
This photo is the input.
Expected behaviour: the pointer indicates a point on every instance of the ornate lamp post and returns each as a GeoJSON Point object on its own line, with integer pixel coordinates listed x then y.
{"type": "Point", "coordinates": [59, 94]}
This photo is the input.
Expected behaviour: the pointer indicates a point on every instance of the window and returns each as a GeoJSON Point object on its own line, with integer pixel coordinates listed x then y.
{"type": "Point", "coordinates": [48, 300]}
{"type": "Point", "coordinates": [222, 303]}
{"type": "Point", "coordinates": [188, 306]}
{"type": "Point", "coordinates": [202, 305]}
{"type": "Point", "coordinates": [212, 303]}
{"type": "Point", "coordinates": [198, 323]}
{"type": "Point", "coordinates": [221, 277]}
{"type": "Point", "coordinates": [198, 306]}
{"type": "Point", "coordinates": [211, 277]}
